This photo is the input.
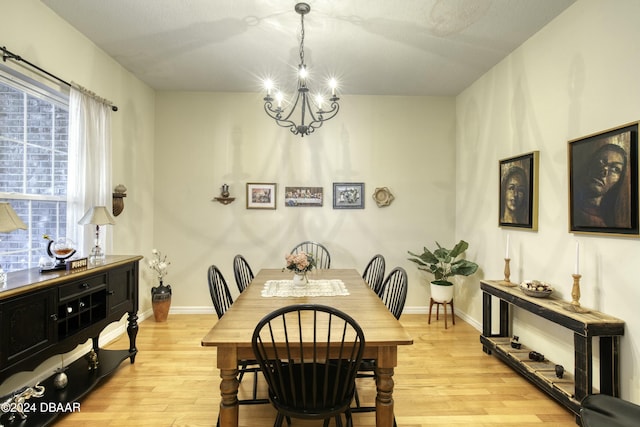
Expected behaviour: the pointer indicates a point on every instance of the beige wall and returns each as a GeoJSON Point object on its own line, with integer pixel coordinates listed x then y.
{"type": "Point", "coordinates": [207, 139]}
{"type": "Point", "coordinates": [577, 76]}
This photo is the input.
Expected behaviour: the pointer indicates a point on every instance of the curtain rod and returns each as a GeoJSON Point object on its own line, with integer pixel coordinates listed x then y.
{"type": "Point", "coordinates": [6, 54]}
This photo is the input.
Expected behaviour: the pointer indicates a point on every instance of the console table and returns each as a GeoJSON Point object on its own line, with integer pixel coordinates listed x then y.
{"type": "Point", "coordinates": [51, 313]}
{"type": "Point", "coordinates": [571, 389]}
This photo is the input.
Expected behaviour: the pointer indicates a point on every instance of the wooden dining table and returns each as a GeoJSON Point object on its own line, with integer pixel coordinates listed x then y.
{"type": "Point", "coordinates": [232, 333]}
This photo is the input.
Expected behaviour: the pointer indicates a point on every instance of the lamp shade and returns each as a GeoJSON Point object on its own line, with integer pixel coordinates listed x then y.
{"type": "Point", "coordinates": [97, 215]}
{"type": "Point", "coordinates": [9, 220]}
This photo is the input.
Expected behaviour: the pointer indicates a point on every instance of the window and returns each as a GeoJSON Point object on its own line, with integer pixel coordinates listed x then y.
{"type": "Point", "coordinates": [33, 166]}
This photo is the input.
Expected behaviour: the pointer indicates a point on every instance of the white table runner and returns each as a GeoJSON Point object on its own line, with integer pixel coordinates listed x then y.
{"type": "Point", "coordinates": [315, 288]}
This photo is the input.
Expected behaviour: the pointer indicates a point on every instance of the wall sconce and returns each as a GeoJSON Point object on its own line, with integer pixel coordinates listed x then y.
{"type": "Point", "coordinates": [118, 199]}
{"type": "Point", "coordinates": [224, 195]}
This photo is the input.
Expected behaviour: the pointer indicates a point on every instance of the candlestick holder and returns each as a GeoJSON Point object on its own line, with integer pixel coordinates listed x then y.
{"type": "Point", "coordinates": [575, 295]}
{"type": "Point", "coordinates": [507, 273]}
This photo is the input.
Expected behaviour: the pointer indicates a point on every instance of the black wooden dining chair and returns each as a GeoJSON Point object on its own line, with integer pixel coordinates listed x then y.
{"type": "Point", "coordinates": [394, 291]}
{"type": "Point", "coordinates": [319, 252]}
{"type": "Point", "coordinates": [373, 273]}
{"type": "Point", "coordinates": [393, 294]}
{"type": "Point", "coordinates": [310, 370]}
{"type": "Point", "coordinates": [219, 291]}
{"type": "Point", "coordinates": [222, 301]}
{"type": "Point", "coordinates": [242, 272]}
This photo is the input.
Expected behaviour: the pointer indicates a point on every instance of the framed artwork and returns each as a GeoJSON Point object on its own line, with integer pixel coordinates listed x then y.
{"type": "Point", "coordinates": [303, 196]}
{"type": "Point", "coordinates": [348, 195]}
{"type": "Point", "coordinates": [261, 195]}
{"type": "Point", "coordinates": [603, 182]}
{"type": "Point", "coordinates": [519, 191]}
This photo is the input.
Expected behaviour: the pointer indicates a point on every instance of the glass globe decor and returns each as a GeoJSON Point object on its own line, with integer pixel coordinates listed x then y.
{"type": "Point", "coordinates": [60, 249]}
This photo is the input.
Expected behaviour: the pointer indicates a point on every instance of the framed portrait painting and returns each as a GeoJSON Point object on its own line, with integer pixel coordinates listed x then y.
{"type": "Point", "coordinates": [603, 182]}
{"type": "Point", "coordinates": [261, 195]}
{"type": "Point", "coordinates": [348, 195]}
{"type": "Point", "coordinates": [519, 192]}
{"type": "Point", "coordinates": [303, 196]}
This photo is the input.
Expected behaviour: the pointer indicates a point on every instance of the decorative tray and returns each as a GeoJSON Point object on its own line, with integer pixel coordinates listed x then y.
{"type": "Point", "coordinates": [536, 288]}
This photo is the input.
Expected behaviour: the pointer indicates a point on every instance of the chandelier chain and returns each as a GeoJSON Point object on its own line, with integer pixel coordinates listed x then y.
{"type": "Point", "coordinates": [301, 40]}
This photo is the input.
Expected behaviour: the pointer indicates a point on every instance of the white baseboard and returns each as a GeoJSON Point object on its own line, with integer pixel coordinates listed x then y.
{"type": "Point", "coordinates": [192, 310]}
{"type": "Point", "coordinates": [460, 314]}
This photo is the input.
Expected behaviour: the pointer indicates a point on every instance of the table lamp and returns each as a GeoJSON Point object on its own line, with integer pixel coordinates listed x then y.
{"type": "Point", "coordinates": [9, 221]}
{"type": "Point", "coordinates": [97, 215]}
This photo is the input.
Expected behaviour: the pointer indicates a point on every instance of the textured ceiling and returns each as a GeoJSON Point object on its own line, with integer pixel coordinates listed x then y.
{"type": "Point", "coordinates": [374, 47]}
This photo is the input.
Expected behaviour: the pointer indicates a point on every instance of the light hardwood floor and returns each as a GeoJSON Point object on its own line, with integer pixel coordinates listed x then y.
{"type": "Point", "coordinates": [444, 379]}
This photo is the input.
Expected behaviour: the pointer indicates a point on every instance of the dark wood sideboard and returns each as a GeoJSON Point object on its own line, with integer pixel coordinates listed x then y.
{"type": "Point", "coordinates": [571, 388]}
{"type": "Point", "coordinates": [46, 314]}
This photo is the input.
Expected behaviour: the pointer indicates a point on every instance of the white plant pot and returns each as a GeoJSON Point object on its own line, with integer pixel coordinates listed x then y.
{"type": "Point", "coordinates": [441, 293]}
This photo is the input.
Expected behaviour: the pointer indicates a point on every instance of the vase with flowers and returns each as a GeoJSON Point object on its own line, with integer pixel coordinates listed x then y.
{"type": "Point", "coordinates": [161, 294]}
{"type": "Point", "coordinates": [300, 263]}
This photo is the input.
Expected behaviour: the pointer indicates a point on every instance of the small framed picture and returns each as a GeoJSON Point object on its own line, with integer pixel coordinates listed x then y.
{"type": "Point", "coordinates": [348, 195]}
{"type": "Point", "coordinates": [261, 195]}
{"type": "Point", "coordinates": [603, 182]}
{"type": "Point", "coordinates": [303, 196]}
{"type": "Point", "coordinates": [519, 192]}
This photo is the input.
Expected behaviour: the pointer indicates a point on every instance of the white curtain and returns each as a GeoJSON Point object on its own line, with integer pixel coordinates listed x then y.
{"type": "Point", "coordinates": [89, 178]}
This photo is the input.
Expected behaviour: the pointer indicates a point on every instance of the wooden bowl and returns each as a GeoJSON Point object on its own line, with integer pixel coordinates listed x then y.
{"type": "Point", "coordinates": [535, 288]}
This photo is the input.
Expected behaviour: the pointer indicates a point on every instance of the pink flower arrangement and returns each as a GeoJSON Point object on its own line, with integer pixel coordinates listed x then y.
{"type": "Point", "coordinates": [300, 262]}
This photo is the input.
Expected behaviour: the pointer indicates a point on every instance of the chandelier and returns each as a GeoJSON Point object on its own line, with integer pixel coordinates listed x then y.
{"type": "Point", "coordinates": [311, 112]}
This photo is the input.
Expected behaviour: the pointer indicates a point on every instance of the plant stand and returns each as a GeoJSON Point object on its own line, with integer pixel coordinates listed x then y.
{"type": "Point", "coordinates": [444, 304]}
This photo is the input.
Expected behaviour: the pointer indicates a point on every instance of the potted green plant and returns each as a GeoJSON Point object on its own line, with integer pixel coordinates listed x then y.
{"type": "Point", "coordinates": [444, 263]}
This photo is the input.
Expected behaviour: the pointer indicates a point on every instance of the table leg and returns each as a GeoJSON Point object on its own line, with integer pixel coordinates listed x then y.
{"type": "Point", "coordinates": [386, 361]}
{"type": "Point", "coordinates": [609, 366]}
{"type": "Point", "coordinates": [228, 365]}
{"type": "Point", "coordinates": [504, 319]}
{"type": "Point", "coordinates": [583, 372]}
{"type": "Point", "coordinates": [132, 331]}
{"type": "Point", "coordinates": [486, 319]}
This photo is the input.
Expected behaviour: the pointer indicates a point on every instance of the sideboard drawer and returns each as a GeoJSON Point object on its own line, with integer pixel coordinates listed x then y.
{"type": "Point", "coordinates": [89, 284]}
